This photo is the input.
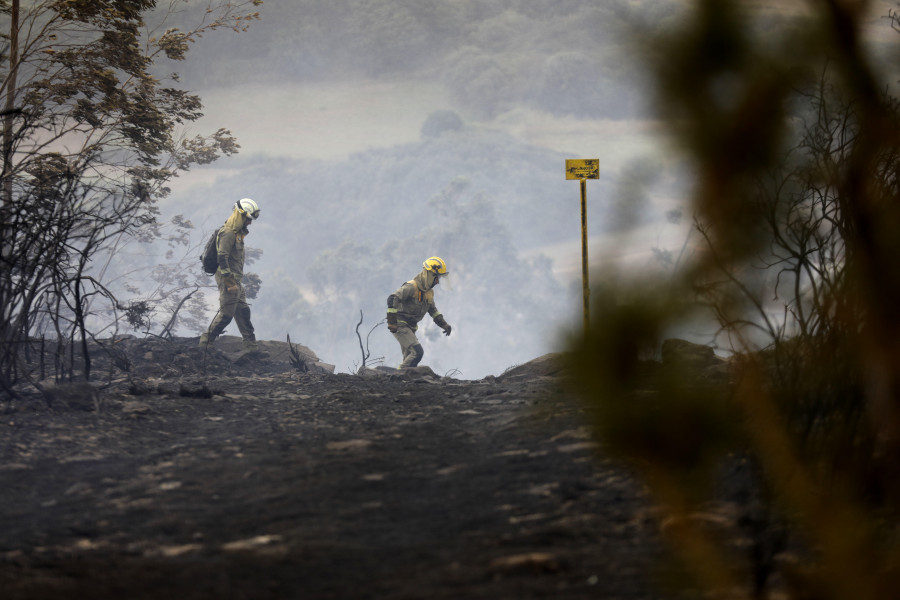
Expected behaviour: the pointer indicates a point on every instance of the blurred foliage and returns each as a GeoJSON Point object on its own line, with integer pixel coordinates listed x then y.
{"type": "Point", "coordinates": [795, 147]}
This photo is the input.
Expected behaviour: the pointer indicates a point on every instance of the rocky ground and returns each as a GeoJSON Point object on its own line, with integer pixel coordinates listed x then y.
{"type": "Point", "coordinates": [195, 475]}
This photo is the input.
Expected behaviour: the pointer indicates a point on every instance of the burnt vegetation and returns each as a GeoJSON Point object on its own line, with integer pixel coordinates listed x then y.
{"type": "Point", "coordinates": [772, 473]}
{"type": "Point", "coordinates": [90, 138]}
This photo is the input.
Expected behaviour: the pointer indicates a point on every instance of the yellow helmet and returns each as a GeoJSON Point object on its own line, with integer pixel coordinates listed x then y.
{"type": "Point", "coordinates": [436, 265]}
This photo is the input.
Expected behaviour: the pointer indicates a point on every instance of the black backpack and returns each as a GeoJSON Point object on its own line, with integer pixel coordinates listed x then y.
{"type": "Point", "coordinates": [210, 256]}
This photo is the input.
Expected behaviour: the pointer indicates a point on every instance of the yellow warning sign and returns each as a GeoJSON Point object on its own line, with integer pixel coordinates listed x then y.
{"type": "Point", "coordinates": [583, 168]}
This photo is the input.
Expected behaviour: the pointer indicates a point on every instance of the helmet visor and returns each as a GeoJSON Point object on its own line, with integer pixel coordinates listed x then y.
{"type": "Point", "coordinates": [445, 280]}
{"type": "Point", "coordinates": [249, 208]}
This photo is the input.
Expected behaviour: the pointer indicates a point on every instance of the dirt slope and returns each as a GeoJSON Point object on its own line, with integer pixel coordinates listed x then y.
{"type": "Point", "coordinates": [263, 482]}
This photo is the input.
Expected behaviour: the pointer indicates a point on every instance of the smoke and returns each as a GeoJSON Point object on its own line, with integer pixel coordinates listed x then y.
{"type": "Point", "coordinates": [376, 134]}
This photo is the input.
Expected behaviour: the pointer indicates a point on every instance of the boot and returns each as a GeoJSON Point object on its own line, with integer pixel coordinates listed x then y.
{"type": "Point", "coordinates": [250, 344]}
{"type": "Point", "coordinates": [251, 348]}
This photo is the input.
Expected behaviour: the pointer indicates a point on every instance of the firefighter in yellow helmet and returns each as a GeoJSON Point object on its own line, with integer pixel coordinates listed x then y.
{"type": "Point", "coordinates": [407, 306]}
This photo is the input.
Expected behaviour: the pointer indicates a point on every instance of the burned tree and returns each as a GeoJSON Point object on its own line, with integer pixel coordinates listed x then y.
{"type": "Point", "coordinates": [364, 350]}
{"type": "Point", "coordinates": [91, 136]}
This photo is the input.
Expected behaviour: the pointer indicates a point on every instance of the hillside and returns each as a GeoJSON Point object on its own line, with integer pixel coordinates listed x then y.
{"type": "Point", "coordinates": [336, 239]}
{"type": "Point", "coordinates": [251, 479]}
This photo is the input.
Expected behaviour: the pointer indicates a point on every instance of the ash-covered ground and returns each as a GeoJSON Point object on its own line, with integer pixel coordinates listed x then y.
{"type": "Point", "coordinates": [187, 475]}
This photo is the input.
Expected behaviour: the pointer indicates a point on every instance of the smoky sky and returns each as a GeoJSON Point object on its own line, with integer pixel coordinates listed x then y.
{"type": "Point", "coordinates": [563, 57]}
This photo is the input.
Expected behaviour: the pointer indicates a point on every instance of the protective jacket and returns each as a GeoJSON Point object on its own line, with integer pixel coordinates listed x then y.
{"type": "Point", "coordinates": [413, 300]}
{"type": "Point", "coordinates": [230, 252]}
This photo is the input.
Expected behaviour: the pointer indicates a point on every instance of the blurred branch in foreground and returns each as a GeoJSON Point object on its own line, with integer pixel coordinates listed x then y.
{"type": "Point", "coordinates": [796, 152]}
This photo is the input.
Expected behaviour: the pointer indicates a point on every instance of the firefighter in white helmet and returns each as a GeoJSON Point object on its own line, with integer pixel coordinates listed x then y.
{"type": "Point", "coordinates": [232, 301]}
{"type": "Point", "coordinates": [408, 305]}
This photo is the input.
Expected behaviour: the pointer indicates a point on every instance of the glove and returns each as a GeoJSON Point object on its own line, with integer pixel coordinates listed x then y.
{"type": "Point", "coordinates": [440, 322]}
{"type": "Point", "coordinates": [392, 322]}
{"type": "Point", "coordinates": [231, 286]}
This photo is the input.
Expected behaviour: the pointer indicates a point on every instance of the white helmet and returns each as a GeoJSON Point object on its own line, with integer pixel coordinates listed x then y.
{"type": "Point", "coordinates": [248, 207]}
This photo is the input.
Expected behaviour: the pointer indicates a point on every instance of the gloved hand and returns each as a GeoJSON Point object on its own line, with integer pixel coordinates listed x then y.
{"type": "Point", "coordinates": [440, 322]}
{"type": "Point", "coordinates": [392, 322]}
{"type": "Point", "coordinates": [231, 285]}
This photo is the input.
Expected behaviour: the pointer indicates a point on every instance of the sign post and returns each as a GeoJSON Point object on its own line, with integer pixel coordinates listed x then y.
{"type": "Point", "coordinates": [582, 170]}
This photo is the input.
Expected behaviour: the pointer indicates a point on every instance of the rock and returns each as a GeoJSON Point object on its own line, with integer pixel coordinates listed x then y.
{"type": "Point", "coordinates": [79, 395]}
{"type": "Point", "coordinates": [530, 561]}
{"type": "Point", "coordinates": [140, 388]}
{"type": "Point", "coordinates": [251, 357]}
{"type": "Point", "coordinates": [357, 444]}
{"type": "Point", "coordinates": [369, 372]}
{"type": "Point", "coordinates": [322, 367]}
{"type": "Point", "coordinates": [166, 388]}
{"type": "Point", "coordinates": [251, 543]}
{"type": "Point", "coordinates": [548, 365]}
{"type": "Point", "coordinates": [687, 355]}
{"type": "Point", "coordinates": [379, 371]}
{"type": "Point", "coordinates": [135, 408]}
{"type": "Point", "coordinates": [175, 357]}
{"type": "Point", "coordinates": [195, 390]}
{"type": "Point", "coordinates": [79, 487]}
{"type": "Point", "coordinates": [695, 360]}
{"type": "Point", "coordinates": [421, 372]}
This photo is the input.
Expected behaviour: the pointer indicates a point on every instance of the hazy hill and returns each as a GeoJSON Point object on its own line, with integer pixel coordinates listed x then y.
{"type": "Point", "coordinates": [337, 237]}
